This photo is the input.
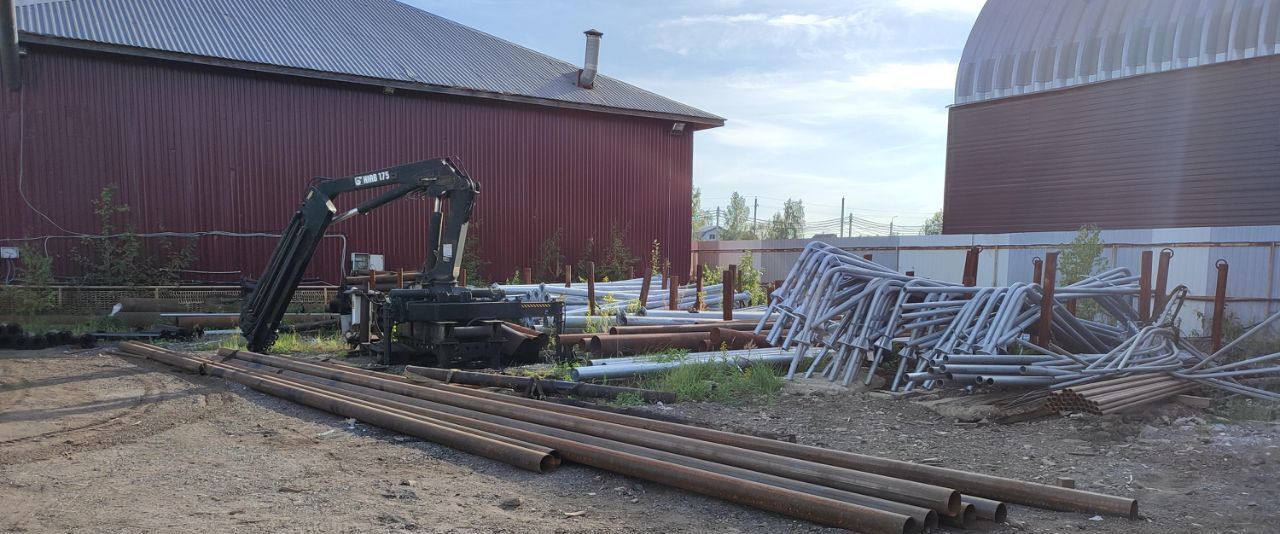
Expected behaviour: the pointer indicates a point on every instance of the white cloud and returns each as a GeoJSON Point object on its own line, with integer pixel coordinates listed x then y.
{"type": "Point", "coordinates": [907, 77]}
{"type": "Point", "coordinates": [805, 34]}
{"type": "Point", "coordinates": [958, 7]}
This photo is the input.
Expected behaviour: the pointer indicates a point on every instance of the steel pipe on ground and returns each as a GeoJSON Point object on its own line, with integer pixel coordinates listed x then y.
{"type": "Point", "coordinates": [533, 459]}
{"type": "Point", "coordinates": [934, 497]}
{"type": "Point", "coordinates": [982, 485]}
{"type": "Point", "coordinates": [629, 344]}
{"type": "Point", "coordinates": [527, 382]}
{"type": "Point", "coordinates": [518, 429]}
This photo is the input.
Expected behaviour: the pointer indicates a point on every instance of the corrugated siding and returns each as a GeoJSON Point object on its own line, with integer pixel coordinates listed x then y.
{"type": "Point", "coordinates": [381, 39]}
{"type": "Point", "coordinates": [1193, 147]}
{"type": "Point", "coordinates": [1025, 46]}
{"type": "Point", "coordinates": [200, 149]}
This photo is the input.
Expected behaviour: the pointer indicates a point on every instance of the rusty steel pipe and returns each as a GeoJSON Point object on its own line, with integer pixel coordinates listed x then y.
{"type": "Point", "coordinates": [682, 328]}
{"type": "Point", "coordinates": [722, 338]}
{"type": "Point", "coordinates": [523, 430]}
{"type": "Point", "coordinates": [673, 296]}
{"type": "Point", "coordinates": [1045, 331]}
{"type": "Point", "coordinates": [963, 520]}
{"type": "Point", "coordinates": [988, 509]}
{"type": "Point", "coordinates": [1037, 270]}
{"type": "Point", "coordinates": [626, 345]}
{"type": "Point", "coordinates": [467, 441]}
{"type": "Point", "coordinates": [525, 383]}
{"type": "Point", "coordinates": [982, 485]}
{"type": "Point", "coordinates": [1219, 304]}
{"type": "Point", "coordinates": [934, 497]}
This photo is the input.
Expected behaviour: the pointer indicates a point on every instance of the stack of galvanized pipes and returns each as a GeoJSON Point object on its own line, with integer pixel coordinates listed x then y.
{"type": "Point", "coordinates": [842, 489]}
{"type": "Point", "coordinates": [854, 311]}
{"type": "Point", "coordinates": [614, 300]}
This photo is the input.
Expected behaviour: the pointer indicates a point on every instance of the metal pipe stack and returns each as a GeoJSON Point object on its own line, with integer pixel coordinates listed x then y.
{"type": "Point", "coordinates": [857, 314]}
{"type": "Point", "coordinates": [835, 488]}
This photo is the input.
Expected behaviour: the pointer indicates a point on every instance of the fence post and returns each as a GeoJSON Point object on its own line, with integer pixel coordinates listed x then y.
{"type": "Point", "coordinates": [697, 302]}
{"type": "Point", "coordinates": [1162, 281]}
{"type": "Point", "coordinates": [644, 286]}
{"type": "Point", "coordinates": [568, 276]}
{"type": "Point", "coordinates": [462, 277]}
{"type": "Point", "coordinates": [591, 288]}
{"type": "Point", "coordinates": [1219, 304]}
{"type": "Point", "coordinates": [970, 276]}
{"type": "Point", "coordinates": [1144, 289]}
{"type": "Point", "coordinates": [526, 275]}
{"type": "Point", "coordinates": [1046, 304]}
{"type": "Point", "coordinates": [673, 296]}
{"type": "Point", "coordinates": [726, 301]}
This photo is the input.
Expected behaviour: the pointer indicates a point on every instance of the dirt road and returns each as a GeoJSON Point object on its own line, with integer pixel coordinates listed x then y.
{"type": "Point", "coordinates": [98, 443]}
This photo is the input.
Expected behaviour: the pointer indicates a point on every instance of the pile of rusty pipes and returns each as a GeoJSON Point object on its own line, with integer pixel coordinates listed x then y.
{"type": "Point", "coordinates": [841, 489]}
{"type": "Point", "coordinates": [854, 310]}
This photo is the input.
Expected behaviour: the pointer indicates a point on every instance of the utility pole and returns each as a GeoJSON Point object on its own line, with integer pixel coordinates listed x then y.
{"type": "Point", "coordinates": [891, 225]}
{"type": "Point", "coordinates": [842, 216]}
{"type": "Point", "coordinates": [755, 217]}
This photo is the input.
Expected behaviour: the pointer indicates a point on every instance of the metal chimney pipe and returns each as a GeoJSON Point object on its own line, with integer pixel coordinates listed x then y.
{"type": "Point", "coordinates": [9, 45]}
{"type": "Point", "coordinates": [587, 76]}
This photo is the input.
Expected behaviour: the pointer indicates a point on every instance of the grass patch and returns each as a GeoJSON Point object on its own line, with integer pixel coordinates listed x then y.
{"type": "Point", "coordinates": [718, 381]}
{"type": "Point", "coordinates": [291, 343]}
{"type": "Point", "coordinates": [627, 399]}
{"type": "Point", "coordinates": [1240, 408]}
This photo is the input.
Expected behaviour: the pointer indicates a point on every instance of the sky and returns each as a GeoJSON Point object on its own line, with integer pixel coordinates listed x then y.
{"type": "Point", "coordinates": [823, 100]}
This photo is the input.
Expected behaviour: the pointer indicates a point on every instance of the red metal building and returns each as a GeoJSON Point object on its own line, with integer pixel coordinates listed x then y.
{"type": "Point", "coordinates": [212, 124]}
{"type": "Point", "coordinates": [1129, 114]}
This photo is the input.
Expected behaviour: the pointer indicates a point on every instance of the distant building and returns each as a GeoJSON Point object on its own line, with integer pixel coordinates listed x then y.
{"type": "Point", "coordinates": [215, 115]}
{"type": "Point", "coordinates": [1123, 114]}
{"type": "Point", "coordinates": [710, 232]}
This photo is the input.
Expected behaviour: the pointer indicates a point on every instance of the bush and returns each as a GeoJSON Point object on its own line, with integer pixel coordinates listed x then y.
{"type": "Point", "coordinates": [34, 296]}
{"type": "Point", "coordinates": [550, 259]}
{"type": "Point", "coordinates": [618, 260]}
{"type": "Point", "coordinates": [116, 257]}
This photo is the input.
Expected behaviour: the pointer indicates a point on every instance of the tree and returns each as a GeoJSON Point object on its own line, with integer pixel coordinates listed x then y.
{"type": "Point", "coordinates": [1079, 259]}
{"type": "Point", "coordinates": [587, 255]}
{"type": "Point", "coordinates": [116, 257]}
{"type": "Point", "coordinates": [549, 258]}
{"type": "Point", "coordinates": [618, 260]}
{"type": "Point", "coordinates": [33, 296]}
{"type": "Point", "coordinates": [473, 262]}
{"type": "Point", "coordinates": [933, 226]}
{"type": "Point", "coordinates": [737, 219]}
{"type": "Point", "coordinates": [699, 216]}
{"type": "Point", "coordinates": [1082, 257]}
{"type": "Point", "coordinates": [789, 223]}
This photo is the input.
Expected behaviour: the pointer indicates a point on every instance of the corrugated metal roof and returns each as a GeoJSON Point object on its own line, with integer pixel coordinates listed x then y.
{"type": "Point", "coordinates": [1027, 46]}
{"type": "Point", "coordinates": [380, 39]}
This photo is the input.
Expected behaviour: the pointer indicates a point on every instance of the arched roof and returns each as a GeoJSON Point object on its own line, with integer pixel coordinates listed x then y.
{"type": "Point", "coordinates": [1026, 46]}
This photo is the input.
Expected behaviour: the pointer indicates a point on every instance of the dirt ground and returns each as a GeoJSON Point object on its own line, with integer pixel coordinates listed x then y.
{"type": "Point", "coordinates": [90, 442]}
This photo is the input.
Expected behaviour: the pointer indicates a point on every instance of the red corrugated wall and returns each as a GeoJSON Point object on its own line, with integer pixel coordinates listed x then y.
{"type": "Point", "coordinates": [1190, 147]}
{"type": "Point", "coordinates": [198, 149]}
